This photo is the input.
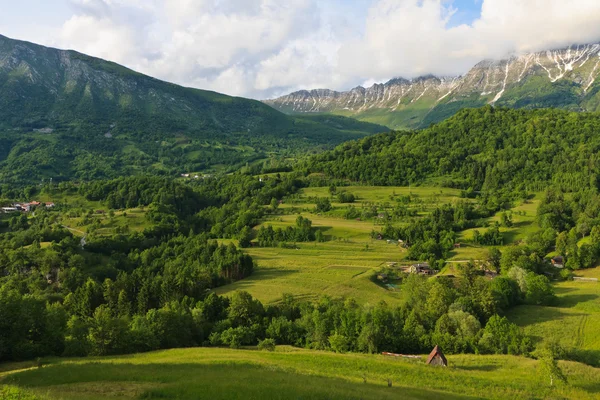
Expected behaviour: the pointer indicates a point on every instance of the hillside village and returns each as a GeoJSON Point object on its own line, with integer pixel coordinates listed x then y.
{"type": "Point", "coordinates": [26, 207]}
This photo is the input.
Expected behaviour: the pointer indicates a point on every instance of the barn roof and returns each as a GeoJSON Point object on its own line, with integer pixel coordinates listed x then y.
{"type": "Point", "coordinates": [437, 351]}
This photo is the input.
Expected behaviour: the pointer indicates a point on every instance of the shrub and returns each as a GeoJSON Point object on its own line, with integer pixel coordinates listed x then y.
{"type": "Point", "coordinates": [566, 274]}
{"type": "Point", "coordinates": [322, 204]}
{"type": "Point", "coordinates": [345, 197]}
{"type": "Point", "coordinates": [267, 345]}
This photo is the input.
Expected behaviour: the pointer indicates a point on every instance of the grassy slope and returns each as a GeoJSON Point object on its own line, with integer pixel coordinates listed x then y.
{"type": "Point", "coordinates": [340, 267]}
{"type": "Point", "coordinates": [574, 322]}
{"type": "Point", "coordinates": [206, 373]}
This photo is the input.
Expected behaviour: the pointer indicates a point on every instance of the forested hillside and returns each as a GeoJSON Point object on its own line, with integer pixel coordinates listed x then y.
{"type": "Point", "coordinates": [485, 149]}
{"type": "Point", "coordinates": [65, 115]}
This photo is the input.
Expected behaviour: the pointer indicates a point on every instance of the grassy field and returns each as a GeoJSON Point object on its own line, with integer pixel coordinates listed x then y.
{"type": "Point", "coordinates": [523, 217]}
{"type": "Point", "coordinates": [383, 196]}
{"type": "Point", "coordinates": [574, 322]}
{"type": "Point", "coordinates": [288, 373]}
{"type": "Point", "coordinates": [134, 219]}
{"type": "Point", "coordinates": [334, 268]}
{"type": "Point", "coordinates": [342, 266]}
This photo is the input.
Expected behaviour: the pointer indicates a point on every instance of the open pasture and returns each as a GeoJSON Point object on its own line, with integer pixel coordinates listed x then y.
{"type": "Point", "coordinates": [422, 198]}
{"type": "Point", "coordinates": [337, 268]}
{"type": "Point", "coordinates": [308, 270]}
{"type": "Point", "coordinates": [574, 322]}
{"type": "Point", "coordinates": [288, 373]}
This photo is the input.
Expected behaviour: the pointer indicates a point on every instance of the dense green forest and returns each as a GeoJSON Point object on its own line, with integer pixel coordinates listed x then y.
{"type": "Point", "coordinates": [487, 149]}
{"type": "Point", "coordinates": [136, 290]}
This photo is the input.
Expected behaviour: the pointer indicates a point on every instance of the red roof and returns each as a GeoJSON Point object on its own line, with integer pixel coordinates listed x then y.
{"type": "Point", "coordinates": [436, 352]}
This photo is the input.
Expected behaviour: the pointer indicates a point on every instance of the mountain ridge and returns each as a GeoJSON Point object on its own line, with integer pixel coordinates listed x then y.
{"type": "Point", "coordinates": [412, 103]}
{"type": "Point", "coordinates": [64, 114]}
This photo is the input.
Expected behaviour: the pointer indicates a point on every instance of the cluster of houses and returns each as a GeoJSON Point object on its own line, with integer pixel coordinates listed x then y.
{"type": "Point", "coordinates": [195, 176]}
{"type": "Point", "coordinates": [26, 207]}
{"type": "Point", "coordinates": [426, 270]}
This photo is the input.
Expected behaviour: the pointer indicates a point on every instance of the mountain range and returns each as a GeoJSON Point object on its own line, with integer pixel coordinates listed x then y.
{"type": "Point", "coordinates": [565, 78]}
{"type": "Point", "coordinates": [64, 114]}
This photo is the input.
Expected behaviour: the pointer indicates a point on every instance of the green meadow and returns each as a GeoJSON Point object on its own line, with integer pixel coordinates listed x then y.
{"type": "Point", "coordinates": [289, 373]}
{"type": "Point", "coordinates": [574, 322]}
{"type": "Point", "coordinates": [344, 264]}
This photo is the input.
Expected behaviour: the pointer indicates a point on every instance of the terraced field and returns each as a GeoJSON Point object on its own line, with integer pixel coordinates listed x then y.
{"type": "Point", "coordinates": [344, 264]}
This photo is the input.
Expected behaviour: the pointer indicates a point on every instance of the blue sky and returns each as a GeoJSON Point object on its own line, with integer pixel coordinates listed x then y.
{"type": "Point", "coordinates": [265, 48]}
{"type": "Point", "coordinates": [467, 12]}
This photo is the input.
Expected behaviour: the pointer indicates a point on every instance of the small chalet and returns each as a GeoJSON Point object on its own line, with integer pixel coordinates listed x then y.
{"type": "Point", "coordinates": [558, 261]}
{"type": "Point", "coordinates": [421, 269]}
{"type": "Point", "coordinates": [436, 357]}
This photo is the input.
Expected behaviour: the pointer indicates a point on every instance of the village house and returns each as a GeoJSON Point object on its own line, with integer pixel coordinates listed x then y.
{"type": "Point", "coordinates": [7, 210]}
{"type": "Point", "coordinates": [558, 261]}
{"type": "Point", "coordinates": [421, 269]}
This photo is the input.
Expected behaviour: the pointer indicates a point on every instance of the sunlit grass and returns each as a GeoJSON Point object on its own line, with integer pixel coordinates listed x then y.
{"type": "Point", "coordinates": [209, 373]}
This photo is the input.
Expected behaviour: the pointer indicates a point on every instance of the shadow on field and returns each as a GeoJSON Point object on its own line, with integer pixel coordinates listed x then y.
{"type": "Point", "coordinates": [572, 300]}
{"type": "Point", "coordinates": [510, 236]}
{"type": "Point", "coordinates": [589, 357]}
{"type": "Point", "coordinates": [521, 224]}
{"type": "Point", "coordinates": [529, 315]}
{"type": "Point", "coordinates": [213, 380]}
{"type": "Point", "coordinates": [267, 273]}
{"type": "Point", "coordinates": [486, 368]}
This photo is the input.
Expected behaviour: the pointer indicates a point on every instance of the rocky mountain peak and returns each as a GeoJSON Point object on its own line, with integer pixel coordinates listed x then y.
{"type": "Point", "coordinates": [558, 78]}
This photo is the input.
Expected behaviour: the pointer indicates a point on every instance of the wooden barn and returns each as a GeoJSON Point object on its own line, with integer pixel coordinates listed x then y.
{"type": "Point", "coordinates": [436, 357]}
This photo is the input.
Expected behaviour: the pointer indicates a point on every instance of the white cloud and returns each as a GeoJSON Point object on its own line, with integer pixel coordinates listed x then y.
{"type": "Point", "coordinates": [411, 37]}
{"type": "Point", "coordinates": [263, 48]}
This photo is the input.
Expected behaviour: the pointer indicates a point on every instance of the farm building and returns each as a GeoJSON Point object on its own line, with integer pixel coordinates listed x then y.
{"type": "Point", "coordinates": [558, 261]}
{"type": "Point", "coordinates": [421, 269]}
{"type": "Point", "coordinates": [436, 357]}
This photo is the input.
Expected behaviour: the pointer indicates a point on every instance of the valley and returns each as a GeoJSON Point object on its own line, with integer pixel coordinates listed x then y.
{"type": "Point", "coordinates": [65, 115]}
{"type": "Point", "coordinates": [162, 241]}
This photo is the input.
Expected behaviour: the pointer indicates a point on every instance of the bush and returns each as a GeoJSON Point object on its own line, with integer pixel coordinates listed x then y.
{"type": "Point", "coordinates": [338, 343]}
{"type": "Point", "coordinates": [345, 197]}
{"type": "Point", "coordinates": [267, 345]}
{"type": "Point", "coordinates": [322, 204]}
{"type": "Point", "coordinates": [539, 290]}
{"type": "Point", "coordinates": [566, 275]}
